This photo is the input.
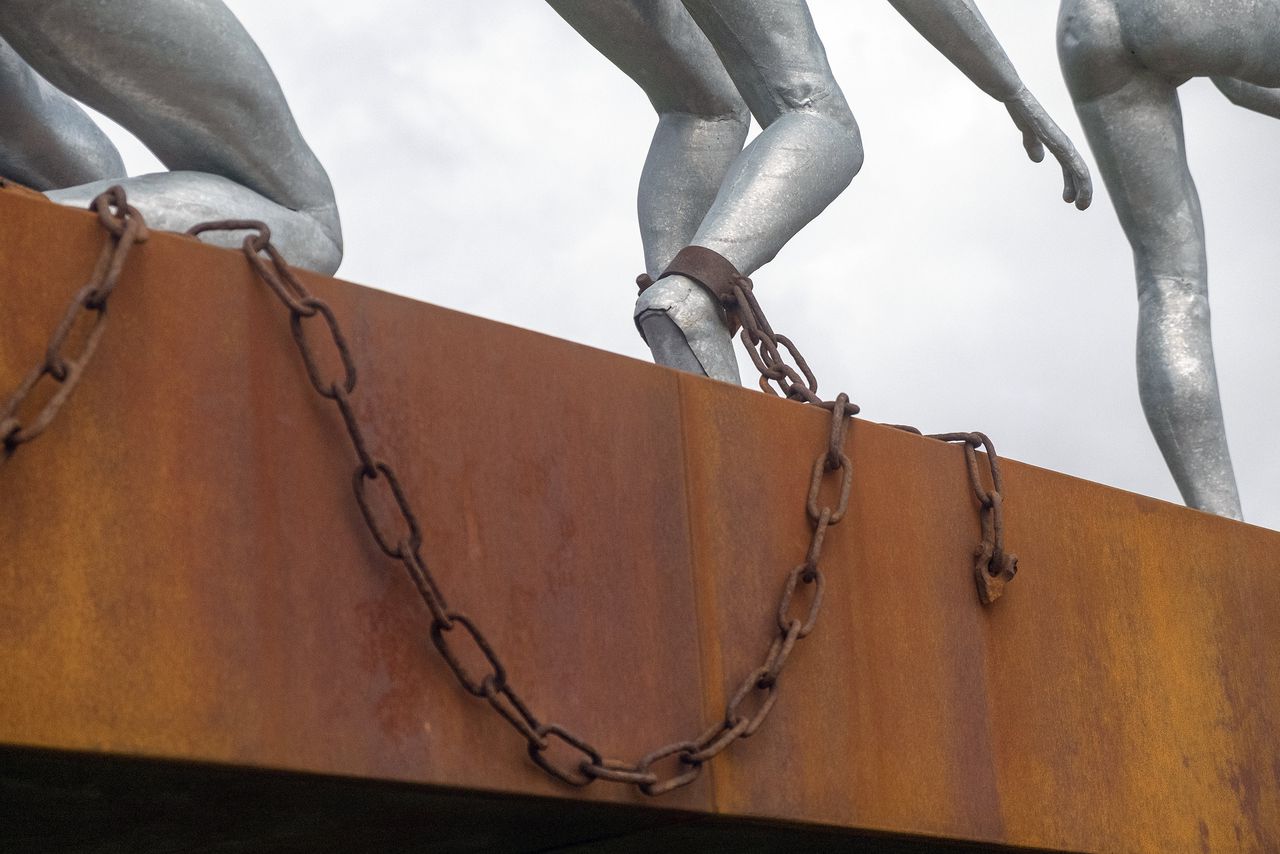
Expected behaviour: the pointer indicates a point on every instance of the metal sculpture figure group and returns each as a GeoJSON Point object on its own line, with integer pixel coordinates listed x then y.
{"type": "Point", "coordinates": [185, 77]}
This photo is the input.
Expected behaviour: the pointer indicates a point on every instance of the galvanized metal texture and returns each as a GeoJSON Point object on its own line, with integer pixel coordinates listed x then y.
{"type": "Point", "coordinates": [184, 576]}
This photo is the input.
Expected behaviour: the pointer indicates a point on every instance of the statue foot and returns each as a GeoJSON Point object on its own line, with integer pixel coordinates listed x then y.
{"type": "Point", "coordinates": [683, 327]}
{"type": "Point", "coordinates": [175, 201]}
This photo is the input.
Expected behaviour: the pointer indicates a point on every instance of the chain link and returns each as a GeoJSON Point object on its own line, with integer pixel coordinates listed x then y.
{"type": "Point", "coordinates": [494, 681]}
{"type": "Point", "coordinates": [684, 754]}
{"type": "Point", "coordinates": [993, 567]}
{"type": "Point", "coordinates": [574, 775]}
{"type": "Point", "coordinates": [367, 473]}
{"type": "Point", "coordinates": [124, 227]}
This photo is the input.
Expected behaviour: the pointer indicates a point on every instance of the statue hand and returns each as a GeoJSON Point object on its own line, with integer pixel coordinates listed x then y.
{"type": "Point", "coordinates": [1038, 132]}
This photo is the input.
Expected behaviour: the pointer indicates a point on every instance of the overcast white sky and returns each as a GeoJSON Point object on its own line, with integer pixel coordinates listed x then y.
{"type": "Point", "coordinates": [472, 140]}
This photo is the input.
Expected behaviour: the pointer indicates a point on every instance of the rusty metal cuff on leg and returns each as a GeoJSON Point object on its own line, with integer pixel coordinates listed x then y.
{"type": "Point", "coordinates": [709, 269]}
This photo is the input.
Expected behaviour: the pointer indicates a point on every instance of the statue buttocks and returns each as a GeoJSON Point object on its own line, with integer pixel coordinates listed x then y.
{"type": "Point", "coordinates": [1177, 39]}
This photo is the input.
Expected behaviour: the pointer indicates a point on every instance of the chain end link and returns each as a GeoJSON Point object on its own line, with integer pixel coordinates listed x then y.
{"type": "Point", "coordinates": [991, 584]}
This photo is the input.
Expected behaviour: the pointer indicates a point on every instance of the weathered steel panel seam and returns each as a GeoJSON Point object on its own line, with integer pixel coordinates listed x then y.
{"type": "Point", "coordinates": [709, 672]}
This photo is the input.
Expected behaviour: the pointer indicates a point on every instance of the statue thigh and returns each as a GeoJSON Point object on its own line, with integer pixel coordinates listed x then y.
{"type": "Point", "coordinates": [47, 140]}
{"type": "Point", "coordinates": [774, 55]}
{"type": "Point", "coordinates": [702, 120]}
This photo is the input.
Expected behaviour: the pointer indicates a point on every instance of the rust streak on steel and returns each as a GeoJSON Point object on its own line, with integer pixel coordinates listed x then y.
{"type": "Point", "coordinates": [185, 575]}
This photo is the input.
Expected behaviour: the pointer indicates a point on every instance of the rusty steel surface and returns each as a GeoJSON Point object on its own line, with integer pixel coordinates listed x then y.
{"type": "Point", "coordinates": [185, 575]}
{"type": "Point", "coordinates": [123, 226]}
{"type": "Point", "coordinates": [454, 631]}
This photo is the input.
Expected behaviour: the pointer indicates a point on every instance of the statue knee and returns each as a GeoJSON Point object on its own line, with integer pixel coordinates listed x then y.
{"type": "Point", "coordinates": [708, 101]}
{"type": "Point", "coordinates": [821, 98]}
{"type": "Point", "coordinates": [1175, 350]}
{"type": "Point", "coordinates": [1184, 295]}
{"type": "Point", "coordinates": [855, 143]}
{"type": "Point", "coordinates": [732, 114]}
{"type": "Point", "coordinates": [740, 116]}
{"type": "Point", "coordinates": [1168, 252]}
{"type": "Point", "coordinates": [727, 104]}
{"type": "Point", "coordinates": [845, 153]}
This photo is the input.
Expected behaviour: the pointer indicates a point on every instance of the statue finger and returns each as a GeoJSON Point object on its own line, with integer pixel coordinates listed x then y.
{"type": "Point", "coordinates": [1077, 171]}
{"type": "Point", "coordinates": [1069, 193]}
{"type": "Point", "coordinates": [1084, 189]}
{"type": "Point", "coordinates": [1035, 148]}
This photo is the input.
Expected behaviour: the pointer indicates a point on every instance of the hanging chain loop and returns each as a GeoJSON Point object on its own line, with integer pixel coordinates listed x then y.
{"type": "Point", "coordinates": [754, 698]}
{"type": "Point", "coordinates": [993, 567]}
{"type": "Point", "coordinates": [752, 701]}
{"type": "Point", "coordinates": [453, 631]}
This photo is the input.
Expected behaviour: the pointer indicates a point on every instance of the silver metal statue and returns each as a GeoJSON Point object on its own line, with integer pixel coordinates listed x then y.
{"type": "Point", "coordinates": [1124, 61]}
{"type": "Point", "coordinates": [707, 66]}
{"type": "Point", "coordinates": [189, 82]}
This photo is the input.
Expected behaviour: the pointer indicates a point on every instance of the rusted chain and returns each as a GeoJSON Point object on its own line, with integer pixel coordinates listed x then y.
{"type": "Point", "coordinates": [764, 346]}
{"type": "Point", "coordinates": [752, 701]}
{"type": "Point", "coordinates": [452, 632]}
{"type": "Point", "coordinates": [754, 698]}
{"type": "Point", "coordinates": [993, 566]}
{"type": "Point", "coordinates": [124, 227]}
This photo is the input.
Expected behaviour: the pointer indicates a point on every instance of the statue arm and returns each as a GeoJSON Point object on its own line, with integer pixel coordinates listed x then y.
{"type": "Point", "coordinates": [958, 30]}
{"type": "Point", "coordinates": [1257, 98]}
{"type": "Point", "coordinates": [960, 33]}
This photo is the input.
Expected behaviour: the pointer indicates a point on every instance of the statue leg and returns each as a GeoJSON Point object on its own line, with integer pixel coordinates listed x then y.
{"type": "Point", "coordinates": [1136, 135]}
{"type": "Point", "coordinates": [809, 149]}
{"type": "Point", "coordinates": [702, 124]}
{"type": "Point", "coordinates": [47, 140]}
{"type": "Point", "coordinates": [806, 155]}
{"type": "Point", "coordinates": [189, 82]}
{"type": "Point", "coordinates": [702, 120]}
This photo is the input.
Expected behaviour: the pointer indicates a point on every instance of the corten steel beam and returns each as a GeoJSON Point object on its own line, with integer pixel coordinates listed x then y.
{"type": "Point", "coordinates": [184, 576]}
